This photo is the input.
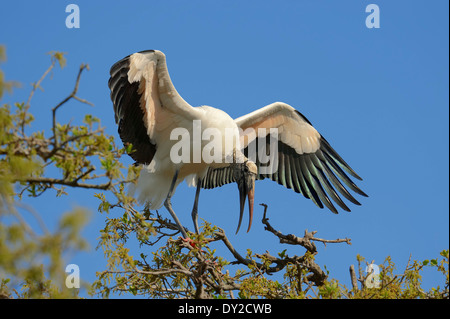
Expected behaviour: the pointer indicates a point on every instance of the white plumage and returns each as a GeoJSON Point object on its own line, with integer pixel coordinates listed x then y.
{"type": "Point", "coordinates": [154, 118]}
{"type": "Point", "coordinates": [155, 178]}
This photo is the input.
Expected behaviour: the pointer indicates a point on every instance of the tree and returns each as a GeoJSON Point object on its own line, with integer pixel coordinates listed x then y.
{"type": "Point", "coordinates": [85, 157]}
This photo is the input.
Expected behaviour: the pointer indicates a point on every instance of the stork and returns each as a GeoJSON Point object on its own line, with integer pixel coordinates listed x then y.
{"type": "Point", "coordinates": [148, 109]}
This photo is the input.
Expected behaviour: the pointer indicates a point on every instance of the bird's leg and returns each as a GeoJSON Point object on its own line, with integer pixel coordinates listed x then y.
{"type": "Point", "coordinates": [194, 209]}
{"type": "Point", "coordinates": [168, 205]}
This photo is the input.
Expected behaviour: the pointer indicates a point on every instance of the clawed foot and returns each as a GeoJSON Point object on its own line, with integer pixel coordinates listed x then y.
{"type": "Point", "coordinates": [190, 241]}
{"type": "Point", "coordinates": [193, 243]}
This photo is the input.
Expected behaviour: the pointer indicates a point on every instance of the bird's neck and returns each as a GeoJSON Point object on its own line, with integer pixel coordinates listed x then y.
{"type": "Point", "coordinates": [239, 157]}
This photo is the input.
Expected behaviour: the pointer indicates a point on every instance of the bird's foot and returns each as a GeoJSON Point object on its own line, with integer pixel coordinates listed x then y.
{"type": "Point", "coordinates": [195, 244]}
{"type": "Point", "coordinates": [190, 241]}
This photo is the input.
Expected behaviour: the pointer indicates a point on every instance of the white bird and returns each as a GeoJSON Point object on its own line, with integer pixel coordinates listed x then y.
{"type": "Point", "coordinates": [154, 119]}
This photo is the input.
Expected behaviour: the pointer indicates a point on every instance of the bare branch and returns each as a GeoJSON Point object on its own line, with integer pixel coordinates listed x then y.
{"type": "Point", "coordinates": [74, 183]}
{"type": "Point", "coordinates": [305, 241]}
{"type": "Point", "coordinates": [38, 84]}
{"type": "Point", "coordinates": [353, 277]}
{"type": "Point", "coordinates": [72, 95]}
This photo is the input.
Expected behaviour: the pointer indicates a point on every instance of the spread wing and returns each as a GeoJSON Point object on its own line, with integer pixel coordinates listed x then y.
{"type": "Point", "coordinates": [216, 177]}
{"type": "Point", "coordinates": [145, 102]}
{"type": "Point", "coordinates": [303, 159]}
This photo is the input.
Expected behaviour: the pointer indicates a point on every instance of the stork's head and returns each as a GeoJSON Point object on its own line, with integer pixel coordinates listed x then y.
{"type": "Point", "coordinates": [245, 175]}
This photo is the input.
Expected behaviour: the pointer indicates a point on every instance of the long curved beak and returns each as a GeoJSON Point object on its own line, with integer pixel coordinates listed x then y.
{"type": "Point", "coordinates": [246, 189]}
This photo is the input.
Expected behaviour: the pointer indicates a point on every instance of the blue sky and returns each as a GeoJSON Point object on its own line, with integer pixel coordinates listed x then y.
{"type": "Point", "coordinates": [379, 96]}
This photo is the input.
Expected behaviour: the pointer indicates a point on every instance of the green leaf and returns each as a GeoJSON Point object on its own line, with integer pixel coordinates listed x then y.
{"type": "Point", "coordinates": [282, 254]}
{"type": "Point", "coordinates": [133, 290]}
{"type": "Point", "coordinates": [58, 56]}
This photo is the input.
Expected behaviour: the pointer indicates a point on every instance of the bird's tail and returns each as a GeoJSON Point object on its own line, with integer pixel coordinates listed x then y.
{"type": "Point", "coordinates": [151, 188]}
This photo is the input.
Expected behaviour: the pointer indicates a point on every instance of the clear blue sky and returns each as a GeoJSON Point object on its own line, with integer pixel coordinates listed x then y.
{"type": "Point", "coordinates": [380, 97]}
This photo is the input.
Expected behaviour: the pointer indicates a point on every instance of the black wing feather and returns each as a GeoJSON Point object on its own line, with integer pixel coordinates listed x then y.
{"type": "Point", "coordinates": [315, 175]}
{"type": "Point", "coordinates": [128, 113]}
{"type": "Point", "coordinates": [217, 177]}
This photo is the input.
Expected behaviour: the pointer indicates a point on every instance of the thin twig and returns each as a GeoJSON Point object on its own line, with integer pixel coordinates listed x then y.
{"type": "Point", "coordinates": [71, 95]}
{"type": "Point", "coordinates": [74, 183]}
{"type": "Point", "coordinates": [38, 84]}
{"type": "Point", "coordinates": [305, 241]}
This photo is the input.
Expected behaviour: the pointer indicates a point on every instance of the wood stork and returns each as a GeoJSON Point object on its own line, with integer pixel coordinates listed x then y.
{"type": "Point", "coordinates": [148, 109]}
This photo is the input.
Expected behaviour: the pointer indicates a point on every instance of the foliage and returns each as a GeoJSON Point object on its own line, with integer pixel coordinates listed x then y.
{"type": "Point", "coordinates": [30, 164]}
{"type": "Point", "coordinates": [33, 163]}
{"type": "Point", "coordinates": [5, 85]}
